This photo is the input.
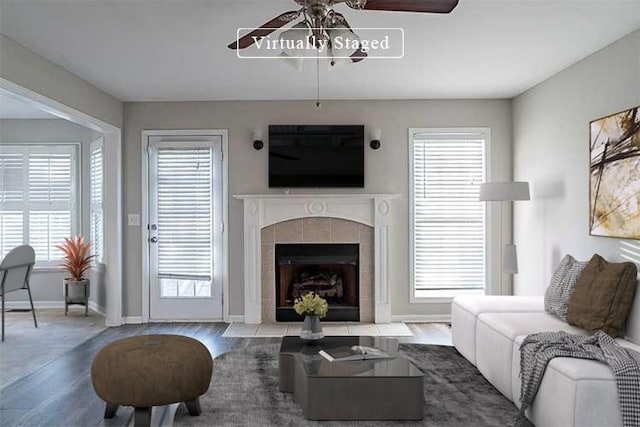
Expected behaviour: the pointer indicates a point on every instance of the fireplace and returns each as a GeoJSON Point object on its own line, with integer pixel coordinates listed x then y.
{"type": "Point", "coordinates": [330, 270]}
{"type": "Point", "coordinates": [356, 218]}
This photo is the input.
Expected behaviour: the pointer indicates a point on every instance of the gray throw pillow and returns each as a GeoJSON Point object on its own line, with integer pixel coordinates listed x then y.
{"type": "Point", "coordinates": [556, 298]}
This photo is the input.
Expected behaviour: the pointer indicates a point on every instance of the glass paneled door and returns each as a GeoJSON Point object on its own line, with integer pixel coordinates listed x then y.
{"type": "Point", "coordinates": [185, 229]}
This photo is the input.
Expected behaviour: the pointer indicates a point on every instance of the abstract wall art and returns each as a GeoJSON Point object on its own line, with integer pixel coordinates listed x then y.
{"type": "Point", "coordinates": [614, 175]}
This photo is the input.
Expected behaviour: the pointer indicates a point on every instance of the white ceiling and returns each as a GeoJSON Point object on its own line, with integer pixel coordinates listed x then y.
{"type": "Point", "coordinates": [13, 108]}
{"type": "Point", "coordinates": [159, 50]}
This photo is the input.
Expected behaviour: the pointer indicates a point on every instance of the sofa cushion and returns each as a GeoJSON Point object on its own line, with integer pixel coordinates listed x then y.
{"type": "Point", "coordinates": [556, 297]}
{"type": "Point", "coordinates": [573, 391]}
{"type": "Point", "coordinates": [512, 325]}
{"type": "Point", "coordinates": [603, 296]}
{"type": "Point", "coordinates": [499, 304]}
{"type": "Point", "coordinates": [465, 311]}
{"type": "Point", "coordinates": [495, 335]}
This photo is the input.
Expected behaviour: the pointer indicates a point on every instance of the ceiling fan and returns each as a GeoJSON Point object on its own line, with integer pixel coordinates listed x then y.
{"type": "Point", "coordinates": [322, 23]}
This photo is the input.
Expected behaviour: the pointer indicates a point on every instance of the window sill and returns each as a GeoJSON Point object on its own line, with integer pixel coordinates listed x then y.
{"type": "Point", "coordinates": [99, 268]}
{"type": "Point", "coordinates": [47, 269]}
{"type": "Point", "coordinates": [442, 296]}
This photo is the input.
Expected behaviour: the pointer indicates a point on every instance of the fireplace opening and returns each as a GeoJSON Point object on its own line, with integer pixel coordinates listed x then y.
{"type": "Point", "coordinates": [329, 270]}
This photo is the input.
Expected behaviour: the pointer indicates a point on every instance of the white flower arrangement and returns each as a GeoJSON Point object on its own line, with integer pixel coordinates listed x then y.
{"type": "Point", "coordinates": [311, 305]}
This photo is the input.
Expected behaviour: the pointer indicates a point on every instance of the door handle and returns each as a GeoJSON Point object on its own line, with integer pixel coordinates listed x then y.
{"type": "Point", "coordinates": [153, 240]}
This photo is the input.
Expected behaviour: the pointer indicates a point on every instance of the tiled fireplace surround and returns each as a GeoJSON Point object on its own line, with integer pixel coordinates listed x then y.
{"type": "Point", "coordinates": [317, 230]}
{"type": "Point", "coordinates": [319, 218]}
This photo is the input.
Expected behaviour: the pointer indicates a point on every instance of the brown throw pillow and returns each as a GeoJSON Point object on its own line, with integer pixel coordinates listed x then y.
{"type": "Point", "coordinates": [603, 296]}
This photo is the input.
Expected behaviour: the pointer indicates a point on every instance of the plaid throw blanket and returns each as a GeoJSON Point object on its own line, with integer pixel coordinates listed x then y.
{"type": "Point", "coordinates": [538, 349]}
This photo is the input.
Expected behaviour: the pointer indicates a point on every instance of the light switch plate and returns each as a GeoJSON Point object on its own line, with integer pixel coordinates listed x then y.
{"type": "Point", "coordinates": [134, 220]}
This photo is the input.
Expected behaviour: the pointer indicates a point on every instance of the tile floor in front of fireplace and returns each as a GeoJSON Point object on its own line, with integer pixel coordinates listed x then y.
{"type": "Point", "coordinates": [241, 330]}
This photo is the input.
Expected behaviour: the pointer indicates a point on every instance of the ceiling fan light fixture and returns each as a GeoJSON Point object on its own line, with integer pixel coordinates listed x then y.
{"type": "Point", "coordinates": [337, 62]}
{"type": "Point", "coordinates": [320, 14]}
{"type": "Point", "coordinates": [292, 61]}
{"type": "Point", "coordinates": [344, 42]}
{"type": "Point", "coordinates": [295, 41]}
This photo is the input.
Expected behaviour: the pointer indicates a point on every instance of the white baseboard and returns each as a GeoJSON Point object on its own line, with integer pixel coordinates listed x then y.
{"type": "Point", "coordinates": [185, 320]}
{"type": "Point", "coordinates": [21, 305]}
{"type": "Point", "coordinates": [24, 305]}
{"type": "Point", "coordinates": [97, 308]}
{"type": "Point", "coordinates": [421, 318]}
{"type": "Point", "coordinates": [49, 304]}
{"type": "Point", "coordinates": [137, 320]}
{"type": "Point", "coordinates": [234, 318]}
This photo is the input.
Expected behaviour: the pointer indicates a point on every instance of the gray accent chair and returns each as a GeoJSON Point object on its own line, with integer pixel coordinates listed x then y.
{"type": "Point", "coordinates": [15, 271]}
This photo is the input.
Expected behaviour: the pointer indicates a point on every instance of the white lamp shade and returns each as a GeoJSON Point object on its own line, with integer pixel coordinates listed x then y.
{"type": "Point", "coordinates": [344, 42]}
{"type": "Point", "coordinates": [504, 191]}
{"type": "Point", "coordinates": [293, 62]}
{"type": "Point", "coordinates": [294, 37]}
{"type": "Point", "coordinates": [509, 259]}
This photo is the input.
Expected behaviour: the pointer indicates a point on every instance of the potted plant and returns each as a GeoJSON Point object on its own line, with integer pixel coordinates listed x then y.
{"type": "Point", "coordinates": [313, 307]}
{"type": "Point", "coordinates": [77, 261]}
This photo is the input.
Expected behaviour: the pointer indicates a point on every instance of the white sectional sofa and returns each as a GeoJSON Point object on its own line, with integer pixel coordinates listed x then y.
{"type": "Point", "coordinates": [488, 331]}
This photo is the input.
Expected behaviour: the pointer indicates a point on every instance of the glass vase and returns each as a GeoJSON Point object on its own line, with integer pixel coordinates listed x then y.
{"type": "Point", "coordinates": [311, 329]}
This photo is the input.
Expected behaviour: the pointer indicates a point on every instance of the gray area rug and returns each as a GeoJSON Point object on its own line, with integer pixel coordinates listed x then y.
{"type": "Point", "coordinates": [244, 392]}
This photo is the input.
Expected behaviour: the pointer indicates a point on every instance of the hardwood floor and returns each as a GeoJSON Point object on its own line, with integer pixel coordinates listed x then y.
{"type": "Point", "coordinates": [27, 348]}
{"type": "Point", "coordinates": [60, 393]}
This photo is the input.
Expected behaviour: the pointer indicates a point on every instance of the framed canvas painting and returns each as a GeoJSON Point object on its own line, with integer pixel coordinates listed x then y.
{"type": "Point", "coordinates": [614, 175]}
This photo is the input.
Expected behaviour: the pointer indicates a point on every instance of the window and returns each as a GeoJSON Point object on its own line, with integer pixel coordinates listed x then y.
{"type": "Point", "coordinates": [38, 198]}
{"type": "Point", "coordinates": [448, 228]}
{"type": "Point", "coordinates": [184, 220]}
{"type": "Point", "coordinates": [96, 197]}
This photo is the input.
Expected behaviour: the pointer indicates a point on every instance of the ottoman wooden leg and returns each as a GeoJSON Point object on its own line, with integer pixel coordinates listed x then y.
{"type": "Point", "coordinates": [110, 410]}
{"type": "Point", "coordinates": [142, 417]}
{"type": "Point", "coordinates": [193, 406]}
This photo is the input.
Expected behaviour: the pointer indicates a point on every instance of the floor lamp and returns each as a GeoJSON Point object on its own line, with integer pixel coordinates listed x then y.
{"type": "Point", "coordinates": [505, 192]}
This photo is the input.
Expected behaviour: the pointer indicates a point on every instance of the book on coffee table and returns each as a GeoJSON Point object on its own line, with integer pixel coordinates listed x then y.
{"type": "Point", "coordinates": [354, 353]}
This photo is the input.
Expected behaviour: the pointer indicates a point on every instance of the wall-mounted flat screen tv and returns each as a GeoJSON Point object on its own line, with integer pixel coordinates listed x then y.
{"type": "Point", "coordinates": [316, 156]}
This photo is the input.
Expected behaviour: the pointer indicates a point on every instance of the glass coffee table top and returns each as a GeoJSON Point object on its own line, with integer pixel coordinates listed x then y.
{"type": "Point", "coordinates": [315, 365]}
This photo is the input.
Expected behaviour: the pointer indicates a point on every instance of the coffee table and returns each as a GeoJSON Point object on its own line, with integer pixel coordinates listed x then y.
{"type": "Point", "coordinates": [360, 390]}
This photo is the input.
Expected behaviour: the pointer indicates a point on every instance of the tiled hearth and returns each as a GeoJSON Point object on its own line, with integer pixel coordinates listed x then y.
{"type": "Point", "coordinates": [355, 218]}
{"type": "Point", "coordinates": [241, 330]}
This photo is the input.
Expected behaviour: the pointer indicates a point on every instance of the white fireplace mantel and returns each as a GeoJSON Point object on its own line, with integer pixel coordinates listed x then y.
{"type": "Point", "coordinates": [262, 210]}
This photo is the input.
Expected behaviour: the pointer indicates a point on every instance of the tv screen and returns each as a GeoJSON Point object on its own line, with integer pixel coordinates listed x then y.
{"type": "Point", "coordinates": [316, 156]}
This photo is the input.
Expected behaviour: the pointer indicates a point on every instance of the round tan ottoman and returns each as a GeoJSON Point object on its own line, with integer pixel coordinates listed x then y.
{"type": "Point", "coordinates": [151, 370]}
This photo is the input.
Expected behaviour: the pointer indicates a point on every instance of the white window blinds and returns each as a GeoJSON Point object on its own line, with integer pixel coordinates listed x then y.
{"type": "Point", "coordinates": [448, 221]}
{"type": "Point", "coordinates": [185, 213]}
{"type": "Point", "coordinates": [37, 198]}
{"type": "Point", "coordinates": [12, 199]}
{"type": "Point", "coordinates": [96, 197]}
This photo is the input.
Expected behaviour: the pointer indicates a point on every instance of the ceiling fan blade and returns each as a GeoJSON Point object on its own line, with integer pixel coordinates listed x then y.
{"type": "Point", "coordinates": [264, 30]}
{"type": "Point", "coordinates": [421, 6]}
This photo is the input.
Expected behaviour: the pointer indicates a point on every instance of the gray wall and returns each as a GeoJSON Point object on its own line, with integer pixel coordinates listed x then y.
{"type": "Point", "coordinates": [551, 150]}
{"type": "Point", "coordinates": [21, 69]}
{"type": "Point", "coordinates": [386, 168]}
{"type": "Point", "coordinates": [46, 284]}
{"type": "Point", "coordinates": [30, 70]}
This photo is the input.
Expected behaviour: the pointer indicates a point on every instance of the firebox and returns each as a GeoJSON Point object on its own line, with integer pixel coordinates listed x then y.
{"type": "Point", "coordinates": [329, 270]}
